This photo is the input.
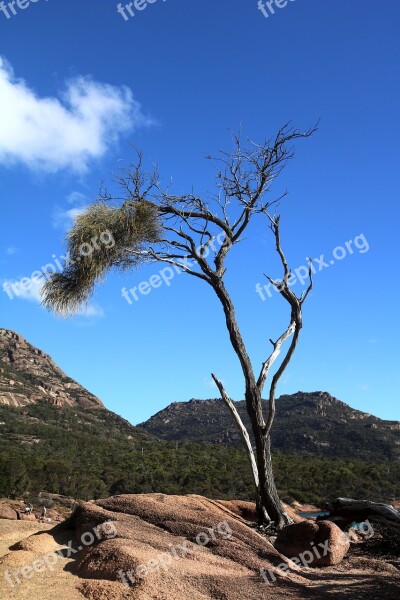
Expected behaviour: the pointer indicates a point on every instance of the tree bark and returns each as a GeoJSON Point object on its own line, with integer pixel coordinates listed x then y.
{"type": "Point", "coordinates": [263, 516]}
{"type": "Point", "coordinates": [270, 502]}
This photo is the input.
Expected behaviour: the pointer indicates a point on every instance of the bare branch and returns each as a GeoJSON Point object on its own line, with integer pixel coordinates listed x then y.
{"type": "Point", "coordinates": [274, 355]}
{"type": "Point", "coordinates": [304, 295]}
{"type": "Point", "coordinates": [242, 430]}
{"type": "Point", "coordinates": [296, 323]}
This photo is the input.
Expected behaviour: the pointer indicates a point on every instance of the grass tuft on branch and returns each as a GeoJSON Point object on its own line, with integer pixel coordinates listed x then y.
{"type": "Point", "coordinates": [102, 238]}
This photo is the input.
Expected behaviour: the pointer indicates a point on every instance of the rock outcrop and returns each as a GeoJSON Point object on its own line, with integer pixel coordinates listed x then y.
{"type": "Point", "coordinates": [27, 375]}
{"type": "Point", "coordinates": [312, 422]}
{"type": "Point", "coordinates": [165, 546]}
{"type": "Point", "coordinates": [159, 547]}
{"type": "Point", "coordinates": [6, 512]}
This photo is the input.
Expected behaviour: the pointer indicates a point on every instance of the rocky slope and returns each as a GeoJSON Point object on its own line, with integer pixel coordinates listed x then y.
{"type": "Point", "coordinates": [155, 546]}
{"type": "Point", "coordinates": [305, 422]}
{"type": "Point", "coordinates": [27, 375]}
{"type": "Point", "coordinates": [55, 434]}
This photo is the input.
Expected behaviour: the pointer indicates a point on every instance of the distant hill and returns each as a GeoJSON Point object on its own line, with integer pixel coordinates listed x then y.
{"type": "Point", "coordinates": [313, 423]}
{"type": "Point", "coordinates": [57, 437]}
{"type": "Point", "coordinates": [54, 434]}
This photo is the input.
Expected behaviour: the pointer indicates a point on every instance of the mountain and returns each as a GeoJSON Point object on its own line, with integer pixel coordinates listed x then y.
{"type": "Point", "coordinates": [57, 437]}
{"type": "Point", "coordinates": [314, 423]}
{"type": "Point", "coordinates": [54, 433]}
{"type": "Point", "coordinates": [28, 375]}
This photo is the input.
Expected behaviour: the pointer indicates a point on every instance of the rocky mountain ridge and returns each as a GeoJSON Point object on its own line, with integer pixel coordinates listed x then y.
{"type": "Point", "coordinates": [312, 422]}
{"type": "Point", "coordinates": [28, 375]}
{"type": "Point", "coordinates": [306, 422]}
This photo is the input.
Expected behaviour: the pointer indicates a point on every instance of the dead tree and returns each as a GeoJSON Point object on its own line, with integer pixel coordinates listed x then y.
{"type": "Point", "coordinates": [348, 510]}
{"type": "Point", "coordinates": [196, 235]}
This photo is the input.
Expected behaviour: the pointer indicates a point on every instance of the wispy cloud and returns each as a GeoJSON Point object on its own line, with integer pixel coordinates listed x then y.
{"type": "Point", "coordinates": [92, 310]}
{"type": "Point", "coordinates": [77, 198]}
{"type": "Point", "coordinates": [29, 292]}
{"type": "Point", "coordinates": [20, 290]}
{"type": "Point", "coordinates": [364, 387]}
{"type": "Point", "coordinates": [63, 218]}
{"type": "Point", "coordinates": [11, 250]}
{"type": "Point", "coordinates": [50, 133]}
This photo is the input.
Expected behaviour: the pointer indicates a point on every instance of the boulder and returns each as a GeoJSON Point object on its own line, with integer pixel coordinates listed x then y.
{"type": "Point", "coordinates": [54, 515]}
{"type": "Point", "coordinates": [313, 544]}
{"type": "Point", "coordinates": [25, 517]}
{"type": "Point", "coordinates": [6, 512]}
{"type": "Point", "coordinates": [175, 547]}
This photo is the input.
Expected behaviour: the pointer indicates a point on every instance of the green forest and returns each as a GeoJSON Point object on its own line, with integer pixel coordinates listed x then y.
{"type": "Point", "coordinates": [92, 454]}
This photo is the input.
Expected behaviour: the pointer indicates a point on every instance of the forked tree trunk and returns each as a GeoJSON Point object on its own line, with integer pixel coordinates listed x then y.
{"type": "Point", "coordinates": [269, 507]}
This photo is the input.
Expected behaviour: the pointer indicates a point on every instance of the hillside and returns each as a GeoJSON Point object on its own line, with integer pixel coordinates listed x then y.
{"type": "Point", "coordinates": [57, 437]}
{"type": "Point", "coordinates": [27, 375]}
{"type": "Point", "coordinates": [313, 423]}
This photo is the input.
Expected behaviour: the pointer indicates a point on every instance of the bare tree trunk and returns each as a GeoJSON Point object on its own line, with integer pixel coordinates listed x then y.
{"type": "Point", "coordinates": [269, 497]}
{"type": "Point", "coordinates": [269, 507]}
{"type": "Point", "coordinates": [263, 516]}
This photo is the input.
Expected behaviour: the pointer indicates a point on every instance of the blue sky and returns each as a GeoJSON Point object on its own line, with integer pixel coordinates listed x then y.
{"type": "Point", "coordinates": [79, 84]}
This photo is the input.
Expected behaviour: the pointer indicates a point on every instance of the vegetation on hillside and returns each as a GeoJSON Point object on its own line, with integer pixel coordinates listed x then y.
{"type": "Point", "coordinates": [315, 421]}
{"type": "Point", "coordinates": [88, 454]}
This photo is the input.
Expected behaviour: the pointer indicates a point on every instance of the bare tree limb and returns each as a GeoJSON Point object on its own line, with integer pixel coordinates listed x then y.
{"type": "Point", "coordinates": [242, 430]}
{"type": "Point", "coordinates": [296, 322]}
{"type": "Point", "coordinates": [274, 355]}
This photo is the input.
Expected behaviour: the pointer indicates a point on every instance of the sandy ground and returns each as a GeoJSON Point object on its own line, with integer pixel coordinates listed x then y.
{"type": "Point", "coordinates": [14, 531]}
{"type": "Point", "coordinates": [47, 584]}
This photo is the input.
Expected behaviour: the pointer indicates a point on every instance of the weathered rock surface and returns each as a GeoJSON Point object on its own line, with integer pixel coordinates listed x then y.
{"type": "Point", "coordinates": [6, 512]}
{"type": "Point", "coordinates": [168, 546]}
{"type": "Point", "coordinates": [157, 533]}
{"type": "Point", "coordinates": [321, 544]}
{"type": "Point", "coordinates": [26, 517]}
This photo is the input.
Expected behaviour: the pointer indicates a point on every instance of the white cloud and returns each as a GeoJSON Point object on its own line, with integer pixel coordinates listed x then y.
{"type": "Point", "coordinates": [76, 198]}
{"type": "Point", "coordinates": [30, 289]}
{"type": "Point", "coordinates": [92, 310]}
{"type": "Point", "coordinates": [64, 219]}
{"type": "Point", "coordinates": [49, 133]}
{"type": "Point", "coordinates": [23, 289]}
{"type": "Point", "coordinates": [11, 250]}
